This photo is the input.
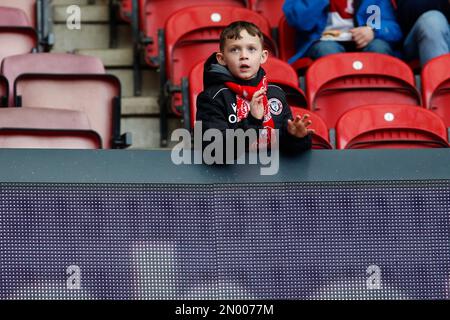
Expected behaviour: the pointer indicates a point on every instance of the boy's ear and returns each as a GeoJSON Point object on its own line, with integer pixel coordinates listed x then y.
{"type": "Point", "coordinates": [264, 56]}
{"type": "Point", "coordinates": [220, 59]}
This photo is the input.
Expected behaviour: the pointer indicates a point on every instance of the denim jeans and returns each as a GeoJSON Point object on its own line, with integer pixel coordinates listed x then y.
{"type": "Point", "coordinates": [429, 37]}
{"type": "Point", "coordinates": [323, 48]}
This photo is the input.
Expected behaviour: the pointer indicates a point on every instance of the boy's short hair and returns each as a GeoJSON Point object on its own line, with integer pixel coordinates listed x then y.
{"type": "Point", "coordinates": [233, 31]}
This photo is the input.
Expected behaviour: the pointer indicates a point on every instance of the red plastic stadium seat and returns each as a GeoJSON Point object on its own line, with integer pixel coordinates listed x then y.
{"type": "Point", "coordinates": [286, 46]}
{"type": "Point", "coordinates": [282, 74]}
{"type": "Point", "coordinates": [63, 81]}
{"type": "Point", "coordinates": [193, 33]}
{"type": "Point", "coordinates": [153, 15]}
{"type": "Point", "coordinates": [436, 87]}
{"type": "Point", "coordinates": [320, 139]}
{"type": "Point", "coordinates": [271, 9]}
{"type": "Point", "coordinates": [46, 128]}
{"type": "Point", "coordinates": [12, 17]}
{"type": "Point", "coordinates": [16, 40]}
{"type": "Point", "coordinates": [340, 82]}
{"type": "Point", "coordinates": [58, 63]}
{"type": "Point", "coordinates": [390, 126]}
{"type": "Point", "coordinates": [17, 36]}
{"type": "Point", "coordinates": [28, 7]}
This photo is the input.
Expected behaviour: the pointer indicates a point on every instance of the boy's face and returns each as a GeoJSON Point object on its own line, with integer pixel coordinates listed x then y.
{"type": "Point", "coordinates": [244, 56]}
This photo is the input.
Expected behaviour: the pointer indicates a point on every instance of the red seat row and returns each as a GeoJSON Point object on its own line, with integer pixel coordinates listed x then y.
{"type": "Point", "coordinates": [340, 88]}
{"type": "Point", "coordinates": [59, 97]}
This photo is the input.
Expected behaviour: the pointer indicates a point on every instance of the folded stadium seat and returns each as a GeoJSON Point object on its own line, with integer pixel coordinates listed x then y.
{"type": "Point", "coordinates": [153, 15]}
{"type": "Point", "coordinates": [339, 82]}
{"type": "Point", "coordinates": [38, 14]}
{"type": "Point", "coordinates": [3, 92]}
{"type": "Point", "coordinates": [46, 128]}
{"type": "Point", "coordinates": [187, 43]}
{"type": "Point", "coordinates": [271, 9]}
{"type": "Point", "coordinates": [286, 46]}
{"type": "Point", "coordinates": [17, 36]}
{"type": "Point", "coordinates": [60, 63]}
{"type": "Point", "coordinates": [436, 87]}
{"type": "Point", "coordinates": [390, 126]}
{"type": "Point", "coordinates": [28, 7]}
{"type": "Point", "coordinates": [282, 74]}
{"type": "Point", "coordinates": [320, 139]}
{"type": "Point", "coordinates": [66, 81]}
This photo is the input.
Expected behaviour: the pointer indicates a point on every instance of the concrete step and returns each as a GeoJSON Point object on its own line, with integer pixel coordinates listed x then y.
{"type": "Point", "coordinates": [140, 106]}
{"type": "Point", "coordinates": [89, 13]}
{"type": "Point", "coordinates": [111, 57]}
{"type": "Point", "coordinates": [90, 36]}
{"type": "Point", "coordinates": [145, 131]}
{"type": "Point", "coordinates": [150, 82]}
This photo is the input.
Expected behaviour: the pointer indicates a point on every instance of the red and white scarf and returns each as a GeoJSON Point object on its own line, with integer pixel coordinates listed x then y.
{"type": "Point", "coordinates": [244, 95]}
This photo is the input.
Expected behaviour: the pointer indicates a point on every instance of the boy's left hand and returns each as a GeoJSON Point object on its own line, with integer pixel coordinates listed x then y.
{"type": "Point", "coordinates": [299, 127]}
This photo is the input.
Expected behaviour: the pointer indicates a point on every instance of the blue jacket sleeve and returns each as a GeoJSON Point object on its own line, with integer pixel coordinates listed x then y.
{"type": "Point", "coordinates": [304, 15]}
{"type": "Point", "coordinates": [390, 30]}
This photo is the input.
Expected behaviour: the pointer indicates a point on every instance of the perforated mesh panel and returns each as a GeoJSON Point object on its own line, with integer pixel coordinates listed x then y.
{"type": "Point", "coordinates": [264, 241]}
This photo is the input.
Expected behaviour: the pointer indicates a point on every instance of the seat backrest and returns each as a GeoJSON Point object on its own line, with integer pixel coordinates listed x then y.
{"type": "Point", "coordinates": [436, 86]}
{"type": "Point", "coordinates": [390, 126]}
{"type": "Point", "coordinates": [28, 7]}
{"type": "Point", "coordinates": [48, 63]}
{"type": "Point", "coordinates": [154, 14]}
{"type": "Point", "coordinates": [98, 95]}
{"type": "Point", "coordinates": [189, 43]}
{"type": "Point", "coordinates": [13, 17]}
{"type": "Point", "coordinates": [339, 82]}
{"type": "Point", "coordinates": [46, 128]}
{"type": "Point", "coordinates": [193, 33]}
{"type": "Point", "coordinates": [320, 138]}
{"type": "Point", "coordinates": [17, 40]}
{"type": "Point", "coordinates": [282, 74]}
{"type": "Point", "coordinates": [271, 9]}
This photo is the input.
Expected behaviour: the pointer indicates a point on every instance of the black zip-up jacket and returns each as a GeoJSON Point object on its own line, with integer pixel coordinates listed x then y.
{"type": "Point", "coordinates": [215, 107]}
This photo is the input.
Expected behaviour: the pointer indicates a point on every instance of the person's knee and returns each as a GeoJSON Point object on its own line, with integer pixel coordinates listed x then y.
{"type": "Point", "coordinates": [379, 46]}
{"type": "Point", "coordinates": [431, 24]}
{"type": "Point", "coordinates": [324, 48]}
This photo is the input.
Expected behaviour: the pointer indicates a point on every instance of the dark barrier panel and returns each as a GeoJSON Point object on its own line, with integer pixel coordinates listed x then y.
{"type": "Point", "coordinates": [74, 225]}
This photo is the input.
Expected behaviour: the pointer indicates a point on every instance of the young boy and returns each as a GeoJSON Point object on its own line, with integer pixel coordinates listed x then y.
{"type": "Point", "coordinates": [237, 95]}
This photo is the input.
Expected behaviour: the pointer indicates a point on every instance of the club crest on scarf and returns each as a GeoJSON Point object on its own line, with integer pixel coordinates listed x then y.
{"type": "Point", "coordinates": [244, 95]}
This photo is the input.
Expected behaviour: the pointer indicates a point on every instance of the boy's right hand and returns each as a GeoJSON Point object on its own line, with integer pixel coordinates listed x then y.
{"type": "Point", "coordinates": [257, 105]}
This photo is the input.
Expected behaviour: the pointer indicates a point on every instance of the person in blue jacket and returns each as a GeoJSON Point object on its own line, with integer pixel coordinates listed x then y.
{"type": "Point", "coordinates": [332, 26]}
{"type": "Point", "coordinates": [426, 24]}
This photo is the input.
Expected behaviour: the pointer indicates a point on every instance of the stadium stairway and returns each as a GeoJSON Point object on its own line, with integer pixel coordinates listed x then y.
{"type": "Point", "coordinates": [140, 114]}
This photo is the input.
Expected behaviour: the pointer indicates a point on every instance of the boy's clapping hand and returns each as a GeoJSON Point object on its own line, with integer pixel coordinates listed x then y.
{"type": "Point", "coordinates": [257, 104]}
{"type": "Point", "coordinates": [299, 126]}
